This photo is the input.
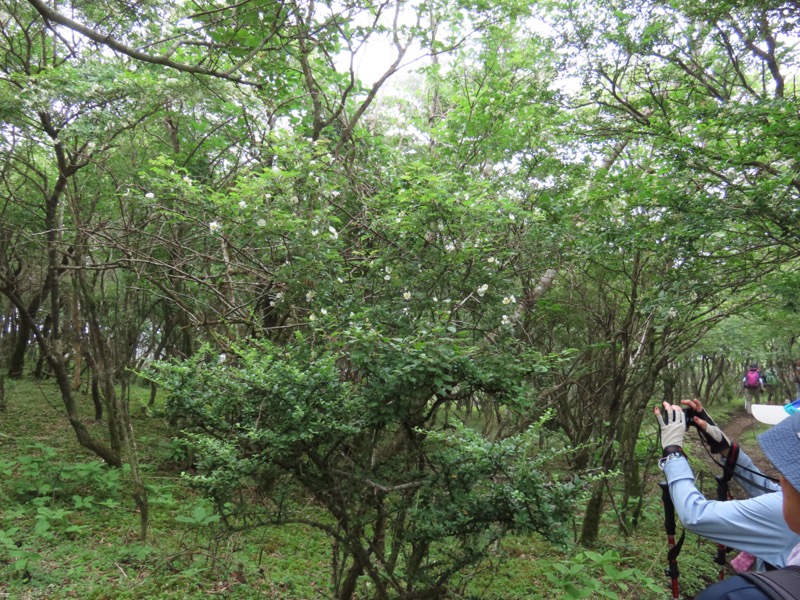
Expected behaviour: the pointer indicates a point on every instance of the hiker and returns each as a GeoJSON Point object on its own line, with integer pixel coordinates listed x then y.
{"type": "Point", "coordinates": [771, 384]}
{"type": "Point", "coordinates": [781, 445]}
{"type": "Point", "coordinates": [753, 525]}
{"type": "Point", "coordinates": [796, 379]}
{"type": "Point", "coordinates": [753, 385]}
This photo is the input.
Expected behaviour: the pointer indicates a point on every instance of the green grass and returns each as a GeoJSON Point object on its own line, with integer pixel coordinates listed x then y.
{"type": "Point", "coordinates": [69, 529]}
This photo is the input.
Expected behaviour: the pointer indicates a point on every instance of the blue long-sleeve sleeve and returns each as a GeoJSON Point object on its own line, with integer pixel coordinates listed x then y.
{"type": "Point", "coordinates": [753, 525]}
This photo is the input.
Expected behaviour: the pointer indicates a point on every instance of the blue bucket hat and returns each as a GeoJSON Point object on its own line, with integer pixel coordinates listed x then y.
{"type": "Point", "coordinates": [781, 445]}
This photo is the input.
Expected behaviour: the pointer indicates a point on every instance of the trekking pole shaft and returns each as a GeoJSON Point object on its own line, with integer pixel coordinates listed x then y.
{"type": "Point", "coordinates": [669, 526]}
{"type": "Point", "coordinates": [722, 549]}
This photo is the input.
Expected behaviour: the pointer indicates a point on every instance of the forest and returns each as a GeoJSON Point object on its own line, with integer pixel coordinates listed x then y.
{"type": "Point", "coordinates": [374, 299]}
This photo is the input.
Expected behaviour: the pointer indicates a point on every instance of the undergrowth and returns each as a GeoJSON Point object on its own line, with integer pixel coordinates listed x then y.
{"type": "Point", "coordinates": [69, 529]}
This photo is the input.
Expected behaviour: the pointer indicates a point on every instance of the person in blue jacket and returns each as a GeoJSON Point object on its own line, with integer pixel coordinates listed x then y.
{"type": "Point", "coordinates": [781, 445]}
{"type": "Point", "coordinates": [754, 525]}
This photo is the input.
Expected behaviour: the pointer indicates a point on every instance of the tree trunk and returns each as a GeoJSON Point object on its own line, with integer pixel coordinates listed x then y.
{"type": "Point", "coordinates": [16, 362]}
{"type": "Point", "coordinates": [591, 518]}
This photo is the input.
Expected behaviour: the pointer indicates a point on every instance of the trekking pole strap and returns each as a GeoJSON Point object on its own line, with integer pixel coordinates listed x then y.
{"type": "Point", "coordinates": [723, 494]}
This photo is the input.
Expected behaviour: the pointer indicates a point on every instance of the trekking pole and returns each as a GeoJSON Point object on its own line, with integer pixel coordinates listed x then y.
{"type": "Point", "coordinates": [673, 549]}
{"type": "Point", "coordinates": [723, 494]}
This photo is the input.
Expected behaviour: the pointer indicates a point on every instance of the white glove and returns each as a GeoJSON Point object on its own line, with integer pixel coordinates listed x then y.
{"type": "Point", "coordinates": [717, 440]}
{"type": "Point", "coordinates": [673, 426]}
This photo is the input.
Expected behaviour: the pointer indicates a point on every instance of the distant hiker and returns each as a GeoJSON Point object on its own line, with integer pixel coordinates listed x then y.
{"type": "Point", "coordinates": [753, 385]}
{"type": "Point", "coordinates": [771, 384]}
{"type": "Point", "coordinates": [796, 379]}
{"type": "Point", "coordinates": [781, 445]}
{"type": "Point", "coordinates": [754, 525]}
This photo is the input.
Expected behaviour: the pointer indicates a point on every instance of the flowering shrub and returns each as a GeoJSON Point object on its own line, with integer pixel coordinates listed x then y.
{"type": "Point", "coordinates": [373, 428]}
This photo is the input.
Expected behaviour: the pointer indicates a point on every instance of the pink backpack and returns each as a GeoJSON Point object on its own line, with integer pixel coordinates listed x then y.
{"type": "Point", "coordinates": [752, 380]}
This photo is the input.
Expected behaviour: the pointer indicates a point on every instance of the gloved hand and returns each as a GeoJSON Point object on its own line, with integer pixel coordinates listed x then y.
{"type": "Point", "coordinates": [715, 438]}
{"type": "Point", "coordinates": [673, 427]}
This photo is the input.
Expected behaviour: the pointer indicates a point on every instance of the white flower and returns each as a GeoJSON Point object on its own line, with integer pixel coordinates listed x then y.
{"type": "Point", "coordinates": [509, 300]}
{"type": "Point", "coordinates": [334, 233]}
{"type": "Point", "coordinates": [388, 269]}
{"type": "Point", "coordinates": [261, 222]}
{"type": "Point", "coordinates": [187, 179]}
{"type": "Point", "coordinates": [387, 277]}
{"type": "Point", "coordinates": [312, 317]}
{"type": "Point", "coordinates": [221, 358]}
{"type": "Point", "coordinates": [512, 217]}
{"type": "Point", "coordinates": [406, 295]}
{"type": "Point", "coordinates": [672, 313]}
{"type": "Point", "coordinates": [315, 232]}
{"type": "Point", "coordinates": [435, 299]}
{"type": "Point", "coordinates": [293, 200]}
{"type": "Point", "coordinates": [482, 289]}
{"type": "Point", "coordinates": [149, 195]}
{"type": "Point", "coordinates": [335, 193]}
{"type": "Point", "coordinates": [491, 259]}
{"type": "Point", "coordinates": [340, 280]}
{"type": "Point", "coordinates": [310, 296]}
{"type": "Point", "coordinates": [242, 204]}
{"type": "Point", "coordinates": [324, 311]}
{"type": "Point", "coordinates": [213, 226]}
{"type": "Point", "coordinates": [440, 226]}
{"type": "Point", "coordinates": [506, 320]}
{"type": "Point", "coordinates": [450, 247]}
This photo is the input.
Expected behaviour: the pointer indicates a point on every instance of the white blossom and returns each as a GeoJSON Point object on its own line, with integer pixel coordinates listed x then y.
{"type": "Point", "coordinates": [407, 295]}
{"type": "Point", "coordinates": [482, 289]}
{"type": "Point", "coordinates": [506, 320]}
{"type": "Point", "coordinates": [213, 226]}
{"type": "Point", "coordinates": [261, 222]}
{"type": "Point", "coordinates": [149, 195]}
{"type": "Point", "coordinates": [334, 233]}
{"type": "Point", "coordinates": [512, 217]}
{"type": "Point", "coordinates": [187, 179]}
{"type": "Point", "coordinates": [242, 204]}
{"type": "Point", "coordinates": [312, 317]}
{"type": "Point", "coordinates": [509, 300]}
{"type": "Point", "coordinates": [324, 311]}
{"type": "Point", "coordinates": [310, 296]}
{"type": "Point", "coordinates": [315, 232]}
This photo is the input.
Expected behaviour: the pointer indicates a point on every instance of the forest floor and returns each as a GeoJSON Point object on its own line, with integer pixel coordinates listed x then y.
{"type": "Point", "coordinates": [68, 528]}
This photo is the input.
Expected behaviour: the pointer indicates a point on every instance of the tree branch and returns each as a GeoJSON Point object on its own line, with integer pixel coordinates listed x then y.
{"type": "Point", "coordinates": [50, 15]}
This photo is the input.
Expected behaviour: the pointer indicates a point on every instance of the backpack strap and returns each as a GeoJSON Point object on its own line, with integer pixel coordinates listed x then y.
{"type": "Point", "coordinates": [781, 584]}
